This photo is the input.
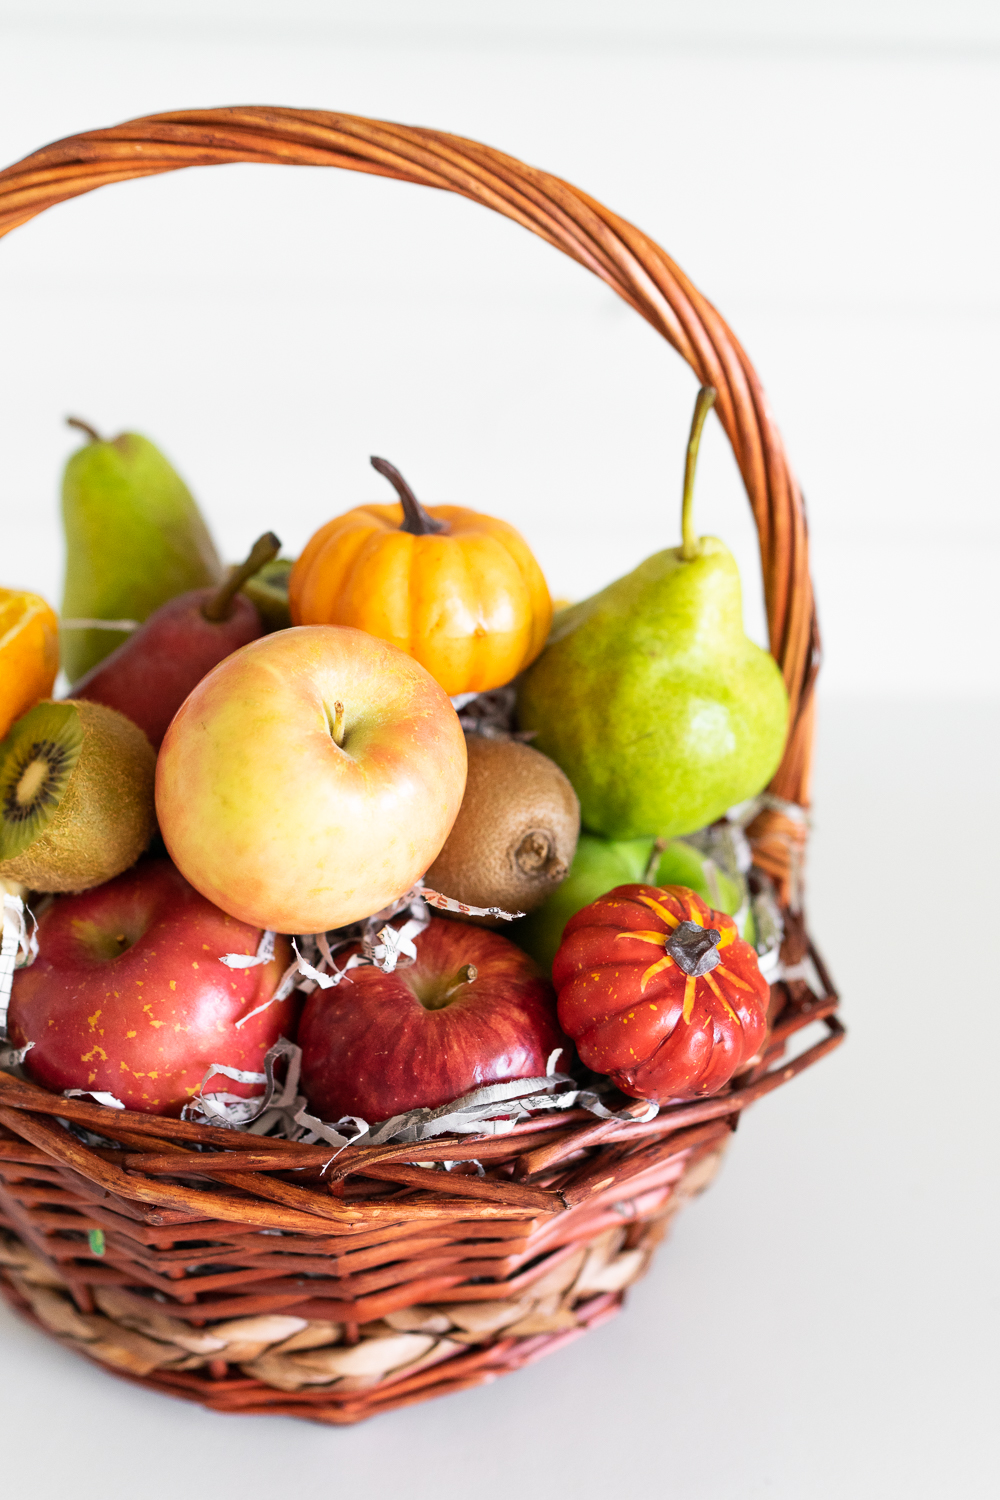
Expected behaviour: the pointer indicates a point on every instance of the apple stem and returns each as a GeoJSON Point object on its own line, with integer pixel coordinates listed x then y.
{"type": "Point", "coordinates": [468, 974]}
{"type": "Point", "coordinates": [337, 727]}
{"type": "Point", "coordinates": [219, 606]}
{"type": "Point", "coordinates": [415, 519]}
{"type": "Point", "coordinates": [689, 541]}
{"type": "Point", "coordinates": [654, 859]}
{"type": "Point", "coordinates": [92, 432]}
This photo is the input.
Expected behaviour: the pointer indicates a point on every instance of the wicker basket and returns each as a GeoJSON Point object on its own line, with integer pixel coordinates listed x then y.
{"type": "Point", "coordinates": [236, 1271]}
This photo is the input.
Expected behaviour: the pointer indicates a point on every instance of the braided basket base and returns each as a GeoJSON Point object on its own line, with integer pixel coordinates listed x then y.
{"type": "Point", "coordinates": [269, 1279]}
{"type": "Point", "coordinates": [288, 1365]}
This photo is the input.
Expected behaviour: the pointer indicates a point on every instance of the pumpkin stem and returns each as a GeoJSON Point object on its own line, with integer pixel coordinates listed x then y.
{"type": "Point", "coordinates": [689, 541]}
{"type": "Point", "coordinates": [415, 519]}
{"type": "Point", "coordinates": [694, 949]}
{"type": "Point", "coordinates": [219, 605]}
{"type": "Point", "coordinates": [82, 426]}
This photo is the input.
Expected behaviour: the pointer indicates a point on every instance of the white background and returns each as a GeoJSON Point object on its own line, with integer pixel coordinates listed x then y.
{"type": "Point", "coordinates": [820, 1324]}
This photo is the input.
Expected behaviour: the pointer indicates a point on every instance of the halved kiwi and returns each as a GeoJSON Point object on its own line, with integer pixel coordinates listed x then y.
{"type": "Point", "coordinates": [76, 796]}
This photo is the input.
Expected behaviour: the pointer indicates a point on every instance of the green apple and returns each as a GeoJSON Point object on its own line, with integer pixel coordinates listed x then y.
{"type": "Point", "coordinates": [601, 864]}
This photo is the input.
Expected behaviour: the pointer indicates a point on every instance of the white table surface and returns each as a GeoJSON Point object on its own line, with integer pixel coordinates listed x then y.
{"type": "Point", "coordinates": [821, 1324]}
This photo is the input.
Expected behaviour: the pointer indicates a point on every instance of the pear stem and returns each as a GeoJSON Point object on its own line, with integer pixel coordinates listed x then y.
{"type": "Point", "coordinates": [415, 519]}
{"type": "Point", "coordinates": [219, 606]}
{"type": "Point", "coordinates": [702, 407]}
{"type": "Point", "coordinates": [92, 432]}
{"type": "Point", "coordinates": [655, 855]}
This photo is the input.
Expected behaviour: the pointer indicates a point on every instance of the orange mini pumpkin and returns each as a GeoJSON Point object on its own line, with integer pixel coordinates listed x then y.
{"type": "Point", "coordinates": [660, 992]}
{"type": "Point", "coordinates": [459, 591]}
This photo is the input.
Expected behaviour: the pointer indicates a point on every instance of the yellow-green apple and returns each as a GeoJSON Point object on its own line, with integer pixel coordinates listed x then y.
{"type": "Point", "coordinates": [473, 1009]}
{"type": "Point", "coordinates": [127, 995]}
{"type": "Point", "coordinates": [310, 779]}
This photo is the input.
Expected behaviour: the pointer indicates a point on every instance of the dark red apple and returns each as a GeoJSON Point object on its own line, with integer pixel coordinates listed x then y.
{"type": "Point", "coordinates": [148, 676]}
{"type": "Point", "coordinates": [127, 995]}
{"type": "Point", "coordinates": [473, 1009]}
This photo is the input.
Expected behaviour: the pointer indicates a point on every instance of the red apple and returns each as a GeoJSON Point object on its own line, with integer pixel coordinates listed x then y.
{"type": "Point", "coordinates": [148, 677]}
{"type": "Point", "coordinates": [127, 995]}
{"type": "Point", "coordinates": [310, 779]}
{"type": "Point", "coordinates": [473, 1009]}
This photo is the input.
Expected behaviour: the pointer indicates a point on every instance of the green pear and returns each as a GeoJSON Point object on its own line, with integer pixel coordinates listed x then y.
{"type": "Point", "coordinates": [134, 539]}
{"type": "Point", "coordinates": [601, 864]}
{"type": "Point", "coordinates": [651, 697]}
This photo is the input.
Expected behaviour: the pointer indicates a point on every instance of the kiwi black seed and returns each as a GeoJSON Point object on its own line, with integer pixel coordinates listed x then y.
{"type": "Point", "coordinates": [76, 796]}
{"type": "Point", "coordinates": [515, 835]}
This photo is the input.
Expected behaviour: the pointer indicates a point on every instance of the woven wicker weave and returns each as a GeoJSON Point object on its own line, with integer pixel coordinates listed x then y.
{"type": "Point", "coordinates": [250, 1275]}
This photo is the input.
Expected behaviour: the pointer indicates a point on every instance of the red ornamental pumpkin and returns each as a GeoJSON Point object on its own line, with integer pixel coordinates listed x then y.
{"type": "Point", "coordinates": [660, 992]}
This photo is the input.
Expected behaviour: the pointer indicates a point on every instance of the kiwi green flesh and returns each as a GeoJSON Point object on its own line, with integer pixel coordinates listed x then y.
{"type": "Point", "coordinates": [104, 817]}
{"type": "Point", "coordinates": [515, 836]}
{"type": "Point", "coordinates": [37, 761]}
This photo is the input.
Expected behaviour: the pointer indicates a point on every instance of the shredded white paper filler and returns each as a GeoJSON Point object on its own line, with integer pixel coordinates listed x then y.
{"type": "Point", "coordinates": [18, 948]}
{"type": "Point", "coordinates": [493, 1110]}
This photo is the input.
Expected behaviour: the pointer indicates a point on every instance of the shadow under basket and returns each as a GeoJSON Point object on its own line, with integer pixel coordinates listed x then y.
{"type": "Point", "coordinates": [254, 1275]}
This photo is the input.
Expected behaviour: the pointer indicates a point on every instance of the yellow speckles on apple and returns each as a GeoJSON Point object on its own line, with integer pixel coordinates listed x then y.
{"type": "Point", "coordinates": [93, 1020]}
{"type": "Point", "coordinates": [123, 1067]}
{"type": "Point", "coordinates": [130, 1034]}
{"type": "Point", "coordinates": [91, 1077]}
{"type": "Point", "coordinates": [191, 1088]}
{"type": "Point", "coordinates": [154, 1074]}
{"type": "Point", "coordinates": [652, 1007]}
{"type": "Point", "coordinates": [173, 984]}
{"type": "Point", "coordinates": [194, 963]}
{"type": "Point", "coordinates": [140, 982]}
{"type": "Point", "coordinates": [95, 1051]}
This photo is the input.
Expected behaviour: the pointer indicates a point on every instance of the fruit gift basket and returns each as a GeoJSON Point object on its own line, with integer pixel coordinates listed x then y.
{"type": "Point", "coordinates": [403, 1094]}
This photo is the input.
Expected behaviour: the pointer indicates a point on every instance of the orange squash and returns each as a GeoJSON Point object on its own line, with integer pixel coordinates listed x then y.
{"type": "Point", "coordinates": [459, 591]}
{"type": "Point", "coordinates": [29, 653]}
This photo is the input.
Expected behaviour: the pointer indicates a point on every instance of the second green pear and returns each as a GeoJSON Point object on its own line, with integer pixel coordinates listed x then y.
{"type": "Point", "coordinates": [134, 539]}
{"type": "Point", "coordinates": [651, 697]}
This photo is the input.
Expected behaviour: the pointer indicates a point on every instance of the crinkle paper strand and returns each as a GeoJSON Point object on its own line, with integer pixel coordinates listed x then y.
{"type": "Point", "coordinates": [493, 1110]}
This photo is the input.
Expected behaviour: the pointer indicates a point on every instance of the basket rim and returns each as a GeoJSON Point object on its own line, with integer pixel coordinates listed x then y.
{"type": "Point", "coordinates": [235, 1160]}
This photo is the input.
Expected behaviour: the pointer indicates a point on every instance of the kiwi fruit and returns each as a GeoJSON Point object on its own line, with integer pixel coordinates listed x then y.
{"type": "Point", "coordinates": [516, 831]}
{"type": "Point", "coordinates": [76, 796]}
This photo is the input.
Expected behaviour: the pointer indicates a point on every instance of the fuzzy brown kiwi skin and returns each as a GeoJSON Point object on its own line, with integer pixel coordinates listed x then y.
{"type": "Point", "coordinates": [106, 817]}
{"type": "Point", "coordinates": [515, 835]}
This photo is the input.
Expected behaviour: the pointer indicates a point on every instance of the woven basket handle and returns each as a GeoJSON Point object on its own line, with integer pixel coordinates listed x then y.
{"type": "Point", "coordinates": [621, 255]}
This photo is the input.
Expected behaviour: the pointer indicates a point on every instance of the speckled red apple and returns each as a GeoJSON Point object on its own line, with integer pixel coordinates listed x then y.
{"type": "Point", "coordinates": [127, 995]}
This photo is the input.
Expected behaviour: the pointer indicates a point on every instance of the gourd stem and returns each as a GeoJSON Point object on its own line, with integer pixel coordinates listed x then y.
{"type": "Point", "coordinates": [415, 519]}
{"type": "Point", "coordinates": [92, 432]}
{"type": "Point", "coordinates": [219, 605]}
{"type": "Point", "coordinates": [702, 407]}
